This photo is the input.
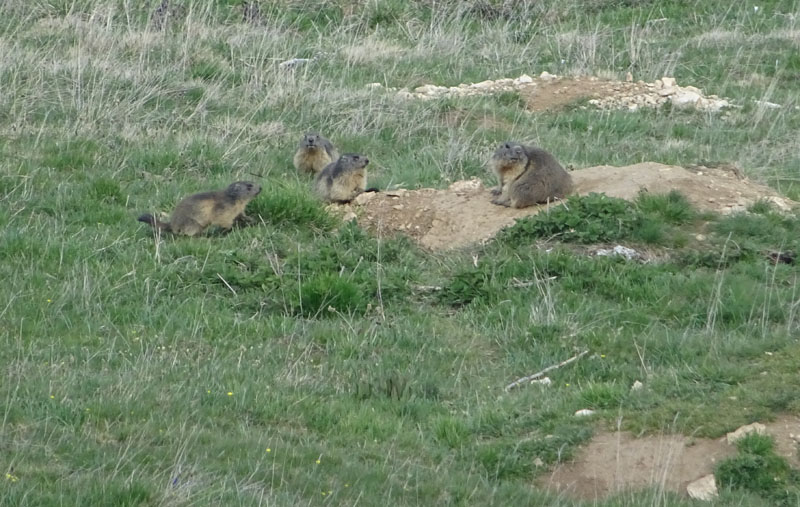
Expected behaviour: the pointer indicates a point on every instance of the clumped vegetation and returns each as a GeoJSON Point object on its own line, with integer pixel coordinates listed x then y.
{"type": "Point", "coordinates": [302, 360]}
{"type": "Point", "coordinates": [759, 470]}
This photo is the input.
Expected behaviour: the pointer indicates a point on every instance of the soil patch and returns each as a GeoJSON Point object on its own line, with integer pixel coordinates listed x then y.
{"type": "Point", "coordinates": [615, 462]}
{"type": "Point", "coordinates": [551, 92]}
{"type": "Point", "coordinates": [463, 213]}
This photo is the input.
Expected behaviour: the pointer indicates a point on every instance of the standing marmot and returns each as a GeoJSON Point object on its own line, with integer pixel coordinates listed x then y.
{"type": "Point", "coordinates": [194, 213]}
{"type": "Point", "coordinates": [314, 153]}
{"type": "Point", "coordinates": [342, 180]}
{"type": "Point", "coordinates": [527, 176]}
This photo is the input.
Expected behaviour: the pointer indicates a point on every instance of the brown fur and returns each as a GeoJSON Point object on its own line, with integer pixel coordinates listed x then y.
{"type": "Point", "coordinates": [314, 153]}
{"type": "Point", "coordinates": [527, 176]}
{"type": "Point", "coordinates": [342, 180]}
{"type": "Point", "coordinates": [197, 212]}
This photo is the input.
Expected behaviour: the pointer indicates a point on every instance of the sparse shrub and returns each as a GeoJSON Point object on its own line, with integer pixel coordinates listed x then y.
{"type": "Point", "coordinates": [451, 431]}
{"type": "Point", "coordinates": [760, 207]}
{"type": "Point", "coordinates": [758, 469]}
{"type": "Point", "coordinates": [582, 219]}
{"type": "Point", "coordinates": [291, 206]}
{"type": "Point", "coordinates": [510, 99]}
{"type": "Point", "coordinates": [672, 207]}
{"type": "Point", "coordinates": [105, 190]}
{"type": "Point", "coordinates": [326, 294]}
{"type": "Point", "coordinates": [465, 287]}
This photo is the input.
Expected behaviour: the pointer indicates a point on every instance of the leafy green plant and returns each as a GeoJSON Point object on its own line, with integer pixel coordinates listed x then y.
{"type": "Point", "coordinates": [592, 218]}
{"type": "Point", "coordinates": [758, 469]}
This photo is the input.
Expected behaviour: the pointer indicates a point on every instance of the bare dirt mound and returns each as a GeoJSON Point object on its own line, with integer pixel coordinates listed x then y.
{"type": "Point", "coordinates": [463, 213]}
{"type": "Point", "coordinates": [615, 462]}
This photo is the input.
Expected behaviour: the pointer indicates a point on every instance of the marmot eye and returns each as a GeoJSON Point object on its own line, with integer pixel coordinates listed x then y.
{"type": "Point", "coordinates": [356, 157]}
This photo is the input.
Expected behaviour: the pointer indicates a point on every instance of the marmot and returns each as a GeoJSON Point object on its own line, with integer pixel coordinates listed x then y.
{"type": "Point", "coordinates": [527, 176]}
{"type": "Point", "coordinates": [343, 180]}
{"type": "Point", "coordinates": [194, 213]}
{"type": "Point", "coordinates": [314, 153]}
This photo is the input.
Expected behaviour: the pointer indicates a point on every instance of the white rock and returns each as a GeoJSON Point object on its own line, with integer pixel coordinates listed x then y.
{"type": "Point", "coordinates": [667, 90]}
{"type": "Point", "coordinates": [538, 462]}
{"type": "Point", "coordinates": [349, 216]}
{"type": "Point", "coordinates": [668, 81]}
{"type": "Point", "coordinates": [637, 386]}
{"type": "Point", "coordinates": [546, 76]}
{"type": "Point", "coordinates": [430, 89]}
{"type": "Point", "coordinates": [293, 63]}
{"type": "Point", "coordinates": [704, 488]}
{"type": "Point", "coordinates": [364, 198]}
{"type": "Point", "coordinates": [733, 436]}
{"type": "Point", "coordinates": [483, 84]}
{"type": "Point", "coordinates": [400, 192]}
{"type": "Point", "coordinates": [374, 85]}
{"type": "Point", "coordinates": [524, 79]}
{"type": "Point", "coordinates": [628, 253]}
{"type": "Point", "coordinates": [779, 202]}
{"type": "Point", "coordinates": [768, 105]}
{"type": "Point", "coordinates": [584, 412]}
{"type": "Point", "coordinates": [466, 185]}
{"type": "Point", "coordinates": [684, 99]}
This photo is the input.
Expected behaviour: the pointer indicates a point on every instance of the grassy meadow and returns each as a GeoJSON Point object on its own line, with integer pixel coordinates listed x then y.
{"type": "Point", "coordinates": [298, 361]}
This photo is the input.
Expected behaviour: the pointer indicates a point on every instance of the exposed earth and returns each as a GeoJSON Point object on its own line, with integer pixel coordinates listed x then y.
{"type": "Point", "coordinates": [617, 461]}
{"type": "Point", "coordinates": [463, 213]}
{"type": "Point", "coordinates": [551, 92]}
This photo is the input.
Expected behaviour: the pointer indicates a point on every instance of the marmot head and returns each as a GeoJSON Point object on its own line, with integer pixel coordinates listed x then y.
{"type": "Point", "coordinates": [352, 162]}
{"type": "Point", "coordinates": [243, 190]}
{"type": "Point", "coordinates": [311, 140]}
{"type": "Point", "coordinates": [510, 153]}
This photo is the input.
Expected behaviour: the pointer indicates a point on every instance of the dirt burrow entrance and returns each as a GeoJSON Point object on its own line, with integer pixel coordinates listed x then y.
{"type": "Point", "coordinates": [617, 461]}
{"type": "Point", "coordinates": [463, 213]}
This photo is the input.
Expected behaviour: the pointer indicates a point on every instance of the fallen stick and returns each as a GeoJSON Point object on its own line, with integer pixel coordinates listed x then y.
{"type": "Point", "coordinates": [541, 373]}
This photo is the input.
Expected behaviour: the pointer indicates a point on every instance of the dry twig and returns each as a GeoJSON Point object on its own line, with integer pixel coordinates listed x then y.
{"type": "Point", "coordinates": [541, 373]}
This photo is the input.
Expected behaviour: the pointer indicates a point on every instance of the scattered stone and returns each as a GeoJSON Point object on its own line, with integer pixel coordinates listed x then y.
{"type": "Point", "coordinates": [628, 253]}
{"type": "Point", "coordinates": [704, 488]}
{"type": "Point", "coordinates": [364, 198]}
{"type": "Point", "coordinates": [627, 95]}
{"type": "Point", "coordinates": [374, 85]}
{"type": "Point", "coordinates": [349, 217]}
{"type": "Point", "coordinates": [768, 105]}
{"type": "Point", "coordinates": [584, 412]}
{"type": "Point", "coordinates": [740, 433]}
{"type": "Point", "coordinates": [466, 186]}
{"type": "Point", "coordinates": [398, 207]}
{"type": "Point", "coordinates": [396, 193]}
{"type": "Point", "coordinates": [293, 63]}
{"type": "Point", "coordinates": [538, 462]}
{"type": "Point", "coordinates": [637, 386]}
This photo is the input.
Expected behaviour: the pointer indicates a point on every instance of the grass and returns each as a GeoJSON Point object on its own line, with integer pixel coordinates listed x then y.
{"type": "Point", "coordinates": [297, 361]}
